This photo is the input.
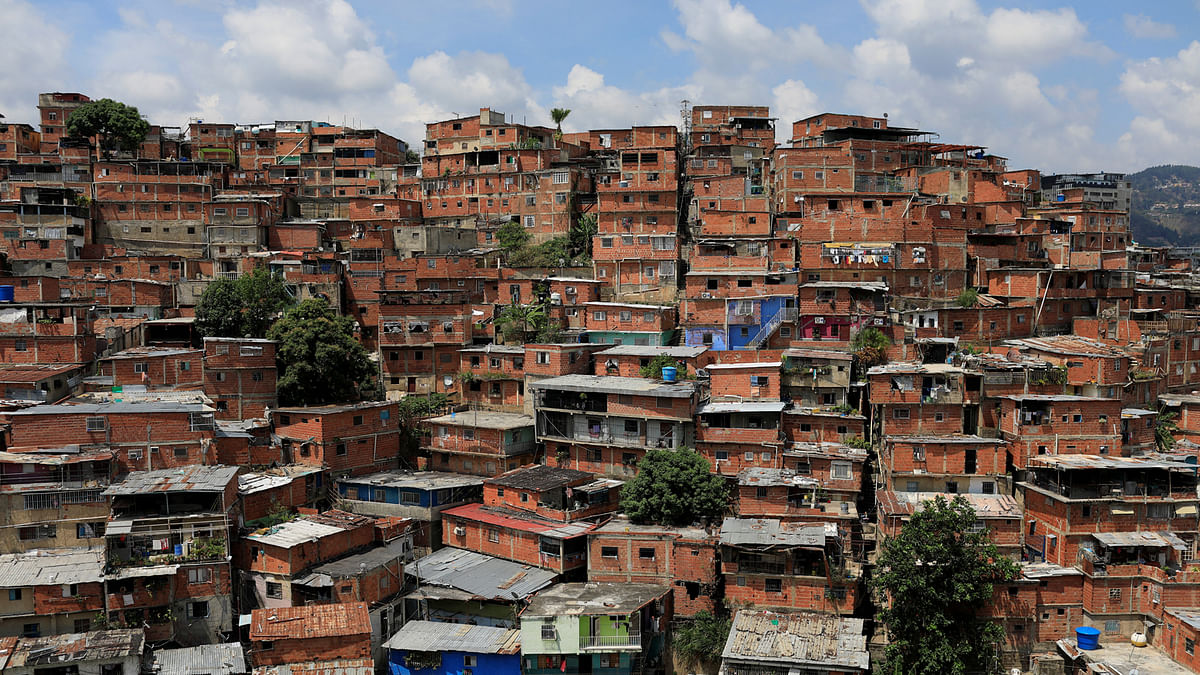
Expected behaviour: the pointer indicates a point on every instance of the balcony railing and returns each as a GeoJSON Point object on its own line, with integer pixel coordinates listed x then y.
{"type": "Point", "coordinates": [633, 640]}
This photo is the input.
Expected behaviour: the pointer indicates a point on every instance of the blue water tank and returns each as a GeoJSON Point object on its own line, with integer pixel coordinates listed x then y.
{"type": "Point", "coordinates": [6, 293]}
{"type": "Point", "coordinates": [669, 374]}
{"type": "Point", "coordinates": [1087, 637]}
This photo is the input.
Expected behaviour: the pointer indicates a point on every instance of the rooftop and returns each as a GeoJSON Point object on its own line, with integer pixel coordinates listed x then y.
{"type": "Point", "coordinates": [484, 419]}
{"type": "Point", "coordinates": [712, 408]}
{"type": "Point", "coordinates": [652, 351]}
{"type": "Point", "coordinates": [494, 349]}
{"type": "Point", "coordinates": [538, 477]}
{"type": "Point", "coordinates": [435, 636]}
{"type": "Point", "coordinates": [739, 366]}
{"type": "Point", "coordinates": [627, 304]}
{"type": "Point", "coordinates": [306, 528]}
{"type": "Point", "coordinates": [770, 532]}
{"type": "Point", "coordinates": [617, 385]}
{"type": "Point", "coordinates": [914, 367]}
{"type": "Point", "coordinates": [593, 598]}
{"type": "Point", "coordinates": [337, 667]}
{"type": "Point", "coordinates": [817, 640]}
{"type": "Point", "coordinates": [519, 520]}
{"type": "Point", "coordinates": [985, 506]}
{"type": "Point", "coordinates": [310, 621]}
{"type": "Point", "coordinates": [51, 567]}
{"type": "Point", "coordinates": [323, 576]}
{"type": "Point", "coordinates": [1067, 345]}
{"type": "Point", "coordinates": [113, 408]}
{"type": "Point", "coordinates": [622, 525]}
{"type": "Point", "coordinates": [218, 659]}
{"type": "Point", "coordinates": [1107, 462]}
{"type": "Point", "coordinates": [765, 477]}
{"type": "Point", "coordinates": [147, 352]}
{"type": "Point", "coordinates": [192, 478]}
{"type": "Point", "coordinates": [332, 409]}
{"type": "Point", "coordinates": [479, 576]}
{"type": "Point", "coordinates": [97, 645]}
{"type": "Point", "coordinates": [418, 480]}
{"type": "Point", "coordinates": [1043, 570]}
{"type": "Point", "coordinates": [965, 439]}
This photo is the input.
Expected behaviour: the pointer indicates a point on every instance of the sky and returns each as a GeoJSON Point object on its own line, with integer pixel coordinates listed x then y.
{"type": "Point", "coordinates": [1094, 85]}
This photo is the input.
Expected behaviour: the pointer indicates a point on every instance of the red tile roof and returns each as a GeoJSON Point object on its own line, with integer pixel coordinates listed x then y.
{"type": "Point", "coordinates": [311, 621]}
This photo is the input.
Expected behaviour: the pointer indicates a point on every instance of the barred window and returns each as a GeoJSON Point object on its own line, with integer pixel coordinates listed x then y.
{"type": "Point", "coordinates": [45, 500]}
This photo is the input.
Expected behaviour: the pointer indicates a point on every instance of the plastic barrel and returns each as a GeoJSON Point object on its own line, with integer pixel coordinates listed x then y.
{"type": "Point", "coordinates": [6, 293]}
{"type": "Point", "coordinates": [1087, 637]}
{"type": "Point", "coordinates": [668, 373]}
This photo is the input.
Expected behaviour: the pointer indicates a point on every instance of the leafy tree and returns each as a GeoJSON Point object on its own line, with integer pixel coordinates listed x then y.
{"type": "Point", "coordinates": [412, 410]}
{"type": "Point", "coordinates": [512, 237]}
{"type": "Point", "coordinates": [931, 580]}
{"type": "Point", "coordinates": [703, 638]}
{"type": "Point", "coordinates": [559, 115]}
{"type": "Point", "coordinates": [968, 298]}
{"type": "Point", "coordinates": [242, 307]}
{"type": "Point", "coordinates": [1164, 430]}
{"type": "Point", "coordinates": [579, 239]}
{"type": "Point", "coordinates": [517, 321]}
{"type": "Point", "coordinates": [412, 157]}
{"type": "Point", "coordinates": [319, 359]}
{"type": "Point", "coordinates": [549, 333]}
{"type": "Point", "coordinates": [870, 345]}
{"type": "Point", "coordinates": [115, 124]}
{"type": "Point", "coordinates": [654, 368]}
{"type": "Point", "coordinates": [674, 487]}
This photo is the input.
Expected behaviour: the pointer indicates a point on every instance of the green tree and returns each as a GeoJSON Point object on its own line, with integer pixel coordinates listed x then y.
{"type": "Point", "coordinates": [931, 580]}
{"type": "Point", "coordinates": [674, 487]}
{"type": "Point", "coordinates": [412, 157]}
{"type": "Point", "coordinates": [703, 638]}
{"type": "Point", "coordinates": [870, 346]}
{"type": "Point", "coordinates": [1164, 430]}
{"type": "Point", "coordinates": [579, 239]}
{"type": "Point", "coordinates": [242, 307]}
{"type": "Point", "coordinates": [413, 410]}
{"type": "Point", "coordinates": [116, 125]}
{"type": "Point", "coordinates": [559, 115]}
{"type": "Point", "coordinates": [654, 368]}
{"type": "Point", "coordinates": [517, 322]}
{"type": "Point", "coordinates": [319, 359]}
{"type": "Point", "coordinates": [512, 237]}
{"type": "Point", "coordinates": [968, 298]}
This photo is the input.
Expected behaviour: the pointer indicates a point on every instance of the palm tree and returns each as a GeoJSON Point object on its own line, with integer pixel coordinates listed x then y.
{"type": "Point", "coordinates": [558, 115]}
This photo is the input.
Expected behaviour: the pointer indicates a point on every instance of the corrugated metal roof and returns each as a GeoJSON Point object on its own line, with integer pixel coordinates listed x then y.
{"type": "Point", "coordinates": [310, 621]}
{"type": "Point", "coordinates": [218, 659]}
{"type": "Point", "coordinates": [539, 477]}
{"type": "Point", "coordinates": [77, 647]}
{"type": "Point", "coordinates": [435, 636]}
{"type": "Point", "coordinates": [1149, 539]}
{"type": "Point", "coordinates": [51, 567]}
{"type": "Point", "coordinates": [770, 532]}
{"type": "Point", "coordinates": [985, 506]}
{"type": "Point", "coordinates": [763, 476]}
{"type": "Point", "coordinates": [1043, 570]}
{"type": "Point", "coordinates": [49, 459]}
{"type": "Point", "coordinates": [518, 520]}
{"type": "Point", "coordinates": [1107, 462]}
{"type": "Point", "coordinates": [747, 407]}
{"type": "Point", "coordinates": [480, 575]}
{"type": "Point", "coordinates": [811, 640]}
{"type": "Point", "coordinates": [114, 408]}
{"type": "Point", "coordinates": [367, 560]}
{"type": "Point", "coordinates": [191, 478]}
{"type": "Point", "coordinates": [594, 598]}
{"type": "Point", "coordinates": [293, 533]}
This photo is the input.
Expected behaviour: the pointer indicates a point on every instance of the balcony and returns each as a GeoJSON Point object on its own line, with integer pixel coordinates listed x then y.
{"type": "Point", "coordinates": [608, 642]}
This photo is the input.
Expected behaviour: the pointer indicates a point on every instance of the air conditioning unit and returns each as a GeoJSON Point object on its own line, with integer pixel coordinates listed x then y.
{"type": "Point", "coordinates": [460, 531]}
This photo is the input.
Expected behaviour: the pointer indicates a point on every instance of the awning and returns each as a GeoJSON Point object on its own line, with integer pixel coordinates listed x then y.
{"type": "Point", "coordinates": [315, 581]}
{"type": "Point", "coordinates": [119, 527]}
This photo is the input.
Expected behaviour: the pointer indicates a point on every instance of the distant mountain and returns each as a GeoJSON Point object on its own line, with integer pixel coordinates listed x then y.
{"type": "Point", "coordinates": [1165, 206]}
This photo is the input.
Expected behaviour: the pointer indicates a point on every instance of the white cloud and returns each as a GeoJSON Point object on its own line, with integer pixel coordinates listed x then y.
{"type": "Point", "coordinates": [35, 50]}
{"type": "Point", "coordinates": [1166, 94]}
{"type": "Point", "coordinates": [1142, 26]}
{"type": "Point", "coordinates": [596, 105]}
{"type": "Point", "coordinates": [792, 101]}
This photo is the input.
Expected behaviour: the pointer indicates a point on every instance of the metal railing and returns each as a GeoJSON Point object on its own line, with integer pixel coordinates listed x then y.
{"type": "Point", "coordinates": [612, 641]}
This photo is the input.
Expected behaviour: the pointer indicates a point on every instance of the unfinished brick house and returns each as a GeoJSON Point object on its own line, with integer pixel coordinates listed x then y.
{"type": "Point", "coordinates": [169, 542]}
{"type": "Point", "coordinates": [685, 558]}
{"type": "Point", "coordinates": [1036, 425]}
{"type": "Point", "coordinates": [553, 492]}
{"type": "Point", "coordinates": [519, 536]}
{"type": "Point", "coordinates": [51, 592]}
{"type": "Point", "coordinates": [345, 440]}
{"type": "Point", "coordinates": [53, 500]}
{"type": "Point", "coordinates": [769, 564]}
{"type": "Point", "coordinates": [493, 376]}
{"type": "Point", "coordinates": [480, 442]}
{"type": "Point", "coordinates": [605, 425]}
{"type": "Point", "coordinates": [951, 463]}
{"type": "Point", "coordinates": [999, 514]}
{"type": "Point", "coordinates": [240, 376]}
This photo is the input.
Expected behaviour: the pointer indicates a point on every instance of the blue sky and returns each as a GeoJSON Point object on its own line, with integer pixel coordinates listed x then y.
{"type": "Point", "coordinates": [1057, 86]}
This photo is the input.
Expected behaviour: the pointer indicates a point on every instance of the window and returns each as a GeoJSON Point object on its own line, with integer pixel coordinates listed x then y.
{"type": "Point", "coordinates": [1114, 594]}
{"type": "Point", "coordinates": [36, 502]}
{"type": "Point", "coordinates": [759, 380]}
{"type": "Point", "coordinates": [31, 630]}
{"type": "Point", "coordinates": [197, 609]}
{"type": "Point", "coordinates": [599, 316]}
{"type": "Point", "coordinates": [542, 358]}
{"type": "Point", "coordinates": [840, 470]}
{"type": "Point", "coordinates": [89, 530]}
{"type": "Point", "coordinates": [773, 585]}
{"type": "Point", "coordinates": [203, 575]}
{"type": "Point", "coordinates": [20, 346]}
{"type": "Point", "coordinates": [900, 413]}
{"type": "Point", "coordinates": [1189, 645]}
{"type": "Point", "coordinates": [410, 497]}
{"type": "Point", "coordinates": [494, 536]}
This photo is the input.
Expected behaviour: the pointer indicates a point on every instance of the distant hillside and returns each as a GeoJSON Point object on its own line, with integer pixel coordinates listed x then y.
{"type": "Point", "coordinates": [1165, 207]}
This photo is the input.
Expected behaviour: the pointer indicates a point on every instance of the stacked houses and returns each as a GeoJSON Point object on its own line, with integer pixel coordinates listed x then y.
{"type": "Point", "coordinates": [161, 506]}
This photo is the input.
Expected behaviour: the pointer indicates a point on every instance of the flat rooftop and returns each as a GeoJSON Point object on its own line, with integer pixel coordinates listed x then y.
{"type": "Point", "coordinates": [604, 384]}
{"type": "Point", "coordinates": [416, 480]}
{"type": "Point", "coordinates": [594, 598]}
{"type": "Point", "coordinates": [484, 419]}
